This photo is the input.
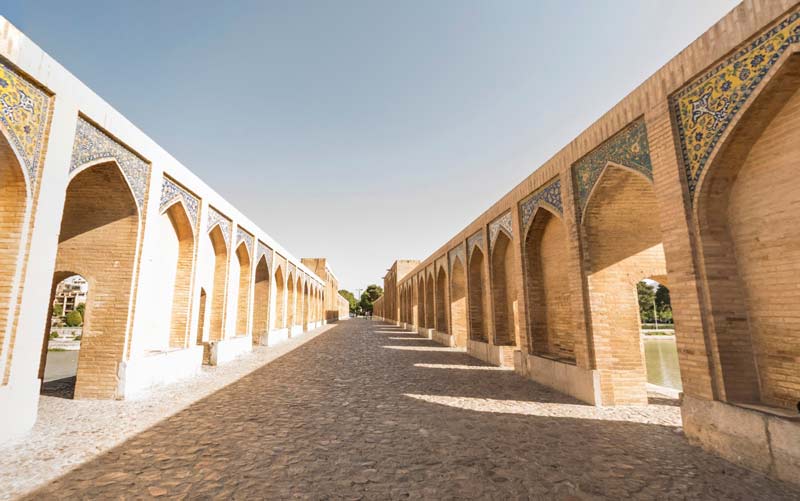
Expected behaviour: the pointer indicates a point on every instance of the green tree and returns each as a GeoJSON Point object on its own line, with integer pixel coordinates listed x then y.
{"type": "Point", "coordinates": [647, 294]}
{"type": "Point", "coordinates": [371, 294]}
{"type": "Point", "coordinates": [81, 308]}
{"type": "Point", "coordinates": [58, 310]}
{"type": "Point", "coordinates": [74, 318]}
{"type": "Point", "coordinates": [663, 304]}
{"type": "Point", "coordinates": [351, 299]}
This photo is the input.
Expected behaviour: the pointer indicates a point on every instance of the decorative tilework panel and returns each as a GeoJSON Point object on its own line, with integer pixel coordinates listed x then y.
{"type": "Point", "coordinates": [457, 253]}
{"type": "Point", "coordinates": [292, 270]}
{"type": "Point", "coordinates": [706, 107]}
{"type": "Point", "coordinates": [92, 144]}
{"type": "Point", "coordinates": [475, 240]}
{"type": "Point", "coordinates": [24, 113]}
{"type": "Point", "coordinates": [243, 236]}
{"type": "Point", "coordinates": [215, 218]}
{"type": "Point", "coordinates": [503, 222]}
{"type": "Point", "coordinates": [263, 250]}
{"type": "Point", "coordinates": [628, 147]}
{"type": "Point", "coordinates": [441, 263]}
{"type": "Point", "coordinates": [550, 194]}
{"type": "Point", "coordinates": [170, 191]}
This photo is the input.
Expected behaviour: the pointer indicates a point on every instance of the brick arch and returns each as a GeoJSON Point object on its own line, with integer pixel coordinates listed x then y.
{"type": "Point", "coordinates": [421, 316]}
{"type": "Point", "coordinates": [306, 306]}
{"type": "Point", "coordinates": [177, 217]}
{"type": "Point", "coordinates": [458, 302]}
{"type": "Point", "coordinates": [476, 280]}
{"type": "Point", "coordinates": [243, 291]}
{"type": "Point", "coordinates": [15, 201]}
{"type": "Point", "coordinates": [260, 320]}
{"type": "Point", "coordinates": [504, 295]}
{"type": "Point", "coordinates": [291, 300]}
{"type": "Point", "coordinates": [430, 319]}
{"type": "Point", "coordinates": [219, 248]}
{"type": "Point", "coordinates": [98, 240]}
{"type": "Point", "coordinates": [298, 306]}
{"type": "Point", "coordinates": [746, 223]}
{"type": "Point", "coordinates": [623, 246]}
{"type": "Point", "coordinates": [442, 301]}
{"type": "Point", "coordinates": [551, 319]}
{"type": "Point", "coordinates": [280, 298]}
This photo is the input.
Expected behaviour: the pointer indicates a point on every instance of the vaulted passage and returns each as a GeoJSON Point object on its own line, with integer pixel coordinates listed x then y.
{"type": "Point", "coordinates": [503, 293]}
{"type": "Point", "coordinates": [261, 302]}
{"type": "Point", "coordinates": [442, 302]}
{"type": "Point", "coordinates": [477, 297]}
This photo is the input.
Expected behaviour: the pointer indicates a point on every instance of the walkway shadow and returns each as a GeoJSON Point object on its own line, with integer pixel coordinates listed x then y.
{"type": "Point", "coordinates": [60, 388]}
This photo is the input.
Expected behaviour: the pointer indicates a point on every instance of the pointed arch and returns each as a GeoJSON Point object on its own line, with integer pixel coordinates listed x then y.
{"type": "Point", "coordinates": [458, 302]}
{"type": "Point", "coordinates": [421, 316]}
{"type": "Point", "coordinates": [442, 301]}
{"type": "Point", "coordinates": [749, 245]}
{"type": "Point", "coordinates": [260, 320]}
{"type": "Point", "coordinates": [551, 320]}
{"type": "Point", "coordinates": [280, 298]}
{"type": "Point", "coordinates": [430, 314]}
{"type": "Point", "coordinates": [219, 248]}
{"type": "Point", "coordinates": [503, 291]}
{"type": "Point", "coordinates": [180, 270]}
{"type": "Point", "coordinates": [243, 291]}
{"type": "Point", "coordinates": [476, 280]}
{"type": "Point", "coordinates": [291, 301]}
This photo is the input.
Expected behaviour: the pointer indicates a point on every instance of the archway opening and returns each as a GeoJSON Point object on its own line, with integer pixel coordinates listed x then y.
{"type": "Point", "coordinates": [551, 325]}
{"type": "Point", "coordinates": [298, 306]}
{"type": "Point", "coordinates": [441, 302]}
{"type": "Point", "coordinates": [658, 335]}
{"type": "Point", "coordinates": [624, 246]}
{"type": "Point", "coordinates": [458, 303]}
{"type": "Point", "coordinates": [168, 322]}
{"type": "Point", "coordinates": [243, 293]}
{"type": "Point", "coordinates": [421, 301]}
{"type": "Point", "coordinates": [219, 257]}
{"type": "Point", "coordinates": [306, 307]}
{"type": "Point", "coordinates": [261, 302]}
{"type": "Point", "coordinates": [64, 340]}
{"type": "Point", "coordinates": [750, 243]}
{"type": "Point", "coordinates": [291, 302]}
{"type": "Point", "coordinates": [477, 322]}
{"type": "Point", "coordinates": [503, 292]}
{"type": "Point", "coordinates": [98, 241]}
{"type": "Point", "coordinates": [429, 311]}
{"type": "Point", "coordinates": [280, 299]}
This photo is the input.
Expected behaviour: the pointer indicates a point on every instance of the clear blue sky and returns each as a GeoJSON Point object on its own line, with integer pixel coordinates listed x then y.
{"type": "Point", "coordinates": [363, 131]}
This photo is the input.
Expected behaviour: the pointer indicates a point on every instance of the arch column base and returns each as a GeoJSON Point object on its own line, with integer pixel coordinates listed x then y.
{"type": "Point", "coordinates": [23, 398]}
{"type": "Point", "coordinates": [276, 337]}
{"type": "Point", "coordinates": [443, 339]}
{"type": "Point", "coordinates": [139, 374]}
{"type": "Point", "coordinates": [583, 384]}
{"type": "Point", "coordinates": [229, 349]}
{"type": "Point", "coordinates": [501, 356]}
{"type": "Point", "coordinates": [762, 441]}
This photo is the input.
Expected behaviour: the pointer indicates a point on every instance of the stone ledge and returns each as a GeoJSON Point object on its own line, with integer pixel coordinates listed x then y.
{"type": "Point", "coordinates": [583, 384]}
{"type": "Point", "coordinates": [141, 373]}
{"type": "Point", "coordinates": [229, 349]}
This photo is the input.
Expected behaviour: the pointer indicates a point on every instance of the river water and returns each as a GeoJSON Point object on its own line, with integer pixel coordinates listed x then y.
{"type": "Point", "coordinates": [661, 360]}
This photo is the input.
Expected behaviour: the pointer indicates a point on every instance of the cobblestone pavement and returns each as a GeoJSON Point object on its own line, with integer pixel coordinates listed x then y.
{"type": "Point", "coordinates": [368, 411]}
{"type": "Point", "coordinates": [71, 432]}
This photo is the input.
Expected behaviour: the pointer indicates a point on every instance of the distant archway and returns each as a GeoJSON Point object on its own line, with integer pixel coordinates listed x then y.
{"type": "Point", "coordinates": [261, 302]}
{"type": "Point", "coordinates": [220, 278]}
{"type": "Point", "coordinates": [458, 302]}
{"type": "Point", "coordinates": [243, 294]}
{"type": "Point", "coordinates": [442, 301]}
{"type": "Point", "coordinates": [476, 279]}
{"type": "Point", "coordinates": [503, 292]}
{"type": "Point", "coordinates": [280, 299]}
{"type": "Point", "coordinates": [430, 320]}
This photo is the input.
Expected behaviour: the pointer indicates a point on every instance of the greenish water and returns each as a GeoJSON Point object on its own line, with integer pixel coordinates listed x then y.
{"type": "Point", "coordinates": [661, 360]}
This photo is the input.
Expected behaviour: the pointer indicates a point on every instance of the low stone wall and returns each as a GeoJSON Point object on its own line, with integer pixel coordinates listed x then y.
{"type": "Point", "coordinates": [583, 384]}
{"type": "Point", "coordinates": [296, 330]}
{"type": "Point", "coordinates": [139, 374]}
{"type": "Point", "coordinates": [443, 338]}
{"type": "Point", "coordinates": [501, 356]}
{"type": "Point", "coordinates": [228, 349]}
{"type": "Point", "coordinates": [275, 337]}
{"type": "Point", "coordinates": [758, 440]}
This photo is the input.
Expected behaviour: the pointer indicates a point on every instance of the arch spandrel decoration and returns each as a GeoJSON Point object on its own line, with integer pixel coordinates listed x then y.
{"type": "Point", "coordinates": [214, 219]}
{"type": "Point", "coordinates": [475, 240]}
{"type": "Point", "coordinates": [440, 263]}
{"type": "Point", "coordinates": [628, 147]}
{"type": "Point", "coordinates": [171, 191]}
{"type": "Point", "coordinates": [457, 253]}
{"type": "Point", "coordinates": [549, 194]}
{"type": "Point", "coordinates": [243, 236]}
{"type": "Point", "coordinates": [292, 269]}
{"type": "Point", "coordinates": [705, 108]}
{"type": "Point", "coordinates": [502, 223]}
{"type": "Point", "coordinates": [24, 114]}
{"type": "Point", "coordinates": [263, 250]}
{"type": "Point", "coordinates": [92, 144]}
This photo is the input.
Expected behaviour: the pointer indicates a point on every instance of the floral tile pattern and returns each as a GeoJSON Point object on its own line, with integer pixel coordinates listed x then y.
{"type": "Point", "coordinates": [501, 223]}
{"type": "Point", "coordinates": [92, 144]}
{"type": "Point", "coordinates": [214, 219]}
{"type": "Point", "coordinates": [263, 250]}
{"type": "Point", "coordinates": [457, 253]}
{"type": "Point", "coordinates": [475, 240]}
{"type": "Point", "coordinates": [549, 194]}
{"type": "Point", "coordinates": [705, 108]}
{"type": "Point", "coordinates": [24, 115]}
{"type": "Point", "coordinates": [171, 191]}
{"type": "Point", "coordinates": [628, 147]}
{"type": "Point", "coordinates": [243, 236]}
